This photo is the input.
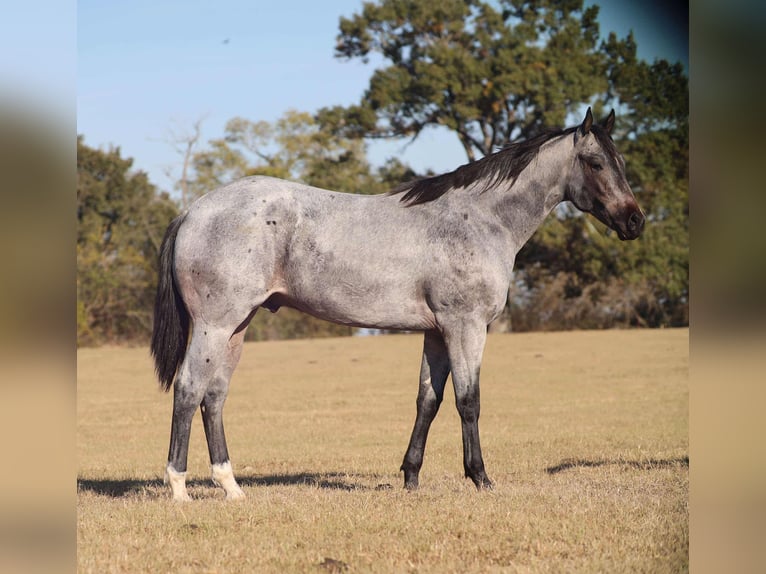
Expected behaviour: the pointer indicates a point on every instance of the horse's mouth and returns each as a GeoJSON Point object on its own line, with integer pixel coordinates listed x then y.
{"type": "Point", "coordinates": [627, 234]}
{"type": "Point", "coordinates": [627, 228]}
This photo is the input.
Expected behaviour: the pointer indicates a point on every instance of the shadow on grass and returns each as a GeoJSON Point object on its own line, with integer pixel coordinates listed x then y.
{"type": "Point", "coordinates": [118, 488]}
{"type": "Point", "coordinates": [328, 480]}
{"type": "Point", "coordinates": [649, 464]}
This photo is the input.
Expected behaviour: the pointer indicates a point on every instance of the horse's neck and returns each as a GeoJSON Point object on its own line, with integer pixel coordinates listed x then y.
{"type": "Point", "coordinates": [522, 205]}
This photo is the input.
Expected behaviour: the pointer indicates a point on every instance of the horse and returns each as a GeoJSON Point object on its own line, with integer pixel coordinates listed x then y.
{"type": "Point", "coordinates": [434, 255]}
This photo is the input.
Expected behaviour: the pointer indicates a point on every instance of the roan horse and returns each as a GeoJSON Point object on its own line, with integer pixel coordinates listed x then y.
{"type": "Point", "coordinates": [434, 255]}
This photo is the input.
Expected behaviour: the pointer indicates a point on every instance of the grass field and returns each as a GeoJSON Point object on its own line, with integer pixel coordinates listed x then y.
{"type": "Point", "coordinates": [585, 435]}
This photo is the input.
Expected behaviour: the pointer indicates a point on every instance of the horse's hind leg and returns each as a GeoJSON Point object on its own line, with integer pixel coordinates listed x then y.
{"type": "Point", "coordinates": [212, 418]}
{"type": "Point", "coordinates": [203, 371]}
{"type": "Point", "coordinates": [434, 370]}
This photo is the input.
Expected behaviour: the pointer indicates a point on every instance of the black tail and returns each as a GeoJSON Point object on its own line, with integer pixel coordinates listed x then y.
{"type": "Point", "coordinates": [171, 319]}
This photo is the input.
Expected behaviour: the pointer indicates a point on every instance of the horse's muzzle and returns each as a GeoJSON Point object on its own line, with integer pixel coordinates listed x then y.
{"type": "Point", "coordinates": [634, 225]}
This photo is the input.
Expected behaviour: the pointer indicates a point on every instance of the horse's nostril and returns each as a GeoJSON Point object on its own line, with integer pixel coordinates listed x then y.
{"type": "Point", "coordinates": [635, 222]}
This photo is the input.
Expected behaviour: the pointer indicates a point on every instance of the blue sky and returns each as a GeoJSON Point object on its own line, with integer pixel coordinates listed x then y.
{"type": "Point", "coordinates": [38, 56]}
{"type": "Point", "coordinates": [146, 67]}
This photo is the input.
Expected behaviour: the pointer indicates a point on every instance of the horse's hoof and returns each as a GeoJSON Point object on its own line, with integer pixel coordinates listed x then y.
{"type": "Point", "coordinates": [411, 485]}
{"type": "Point", "coordinates": [482, 482]}
{"type": "Point", "coordinates": [235, 494]}
{"type": "Point", "coordinates": [410, 476]}
{"type": "Point", "coordinates": [485, 484]}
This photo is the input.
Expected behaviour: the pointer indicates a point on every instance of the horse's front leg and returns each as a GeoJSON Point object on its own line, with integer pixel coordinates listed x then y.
{"type": "Point", "coordinates": [434, 370]}
{"type": "Point", "coordinates": [465, 340]}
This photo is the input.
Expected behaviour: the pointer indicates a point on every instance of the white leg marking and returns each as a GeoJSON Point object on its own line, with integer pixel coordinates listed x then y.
{"type": "Point", "coordinates": [224, 477]}
{"type": "Point", "coordinates": [177, 482]}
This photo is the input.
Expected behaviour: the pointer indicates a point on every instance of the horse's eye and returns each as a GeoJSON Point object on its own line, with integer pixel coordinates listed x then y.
{"type": "Point", "coordinates": [592, 162]}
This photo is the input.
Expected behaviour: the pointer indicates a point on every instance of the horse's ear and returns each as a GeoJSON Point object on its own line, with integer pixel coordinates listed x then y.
{"type": "Point", "coordinates": [609, 122]}
{"type": "Point", "coordinates": [586, 124]}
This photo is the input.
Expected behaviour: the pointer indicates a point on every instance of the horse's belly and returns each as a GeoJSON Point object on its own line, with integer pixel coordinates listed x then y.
{"type": "Point", "coordinates": [374, 305]}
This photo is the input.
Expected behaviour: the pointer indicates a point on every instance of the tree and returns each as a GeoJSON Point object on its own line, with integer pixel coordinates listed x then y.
{"type": "Point", "coordinates": [490, 72]}
{"type": "Point", "coordinates": [121, 220]}
{"type": "Point", "coordinates": [184, 143]}
{"type": "Point", "coordinates": [655, 139]}
{"type": "Point", "coordinates": [294, 147]}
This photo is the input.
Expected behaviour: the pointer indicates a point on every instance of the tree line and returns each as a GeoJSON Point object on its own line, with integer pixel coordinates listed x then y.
{"type": "Point", "coordinates": [490, 72]}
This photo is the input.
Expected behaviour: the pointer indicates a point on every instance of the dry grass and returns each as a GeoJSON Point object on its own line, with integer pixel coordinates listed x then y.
{"type": "Point", "coordinates": [584, 433]}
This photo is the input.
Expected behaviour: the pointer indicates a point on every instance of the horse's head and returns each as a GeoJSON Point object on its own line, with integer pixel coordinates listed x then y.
{"type": "Point", "coordinates": [597, 183]}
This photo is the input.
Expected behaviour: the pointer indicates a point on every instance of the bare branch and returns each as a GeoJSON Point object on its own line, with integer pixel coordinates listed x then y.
{"type": "Point", "coordinates": [184, 142]}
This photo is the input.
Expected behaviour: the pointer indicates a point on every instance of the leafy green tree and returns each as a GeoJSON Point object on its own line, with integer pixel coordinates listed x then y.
{"type": "Point", "coordinates": [295, 147]}
{"type": "Point", "coordinates": [488, 71]}
{"type": "Point", "coordinates": [121, 220]}
{"type": "Point", "coordinates": [654, 133]}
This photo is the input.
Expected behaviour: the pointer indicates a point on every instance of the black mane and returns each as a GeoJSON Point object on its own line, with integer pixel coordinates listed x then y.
{"type": "Point", "coordinates": [505, 164]}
